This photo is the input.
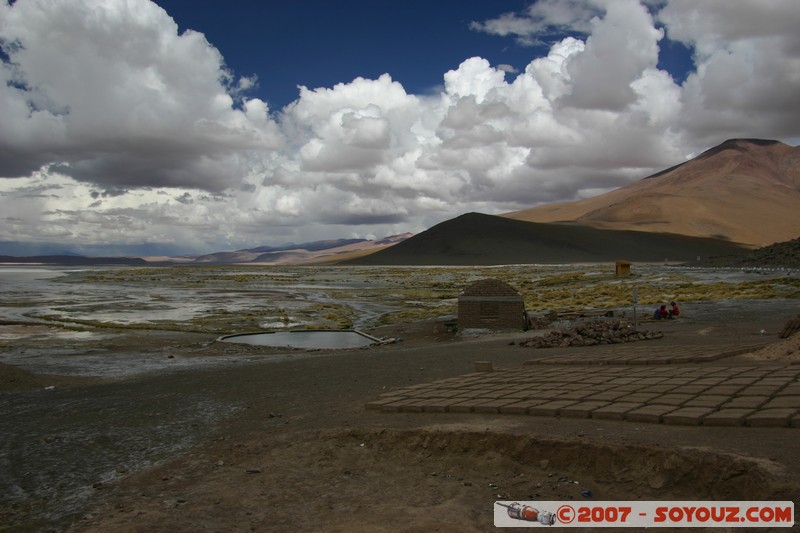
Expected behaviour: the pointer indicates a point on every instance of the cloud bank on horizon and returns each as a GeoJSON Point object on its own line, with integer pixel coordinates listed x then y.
{"type": "Point", "coordinates": [117, 129]}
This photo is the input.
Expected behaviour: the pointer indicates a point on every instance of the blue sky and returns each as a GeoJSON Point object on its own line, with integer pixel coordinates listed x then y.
{"type": "Point", "coordinates": [319, 44]}
{"type": "Point", "coordinates": [132, 127]}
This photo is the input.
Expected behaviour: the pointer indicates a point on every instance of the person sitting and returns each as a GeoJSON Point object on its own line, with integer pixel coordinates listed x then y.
{"type": "Point", "coordinates": [675, 310]}
{"type": "Point", "coordinates": [661, 313]}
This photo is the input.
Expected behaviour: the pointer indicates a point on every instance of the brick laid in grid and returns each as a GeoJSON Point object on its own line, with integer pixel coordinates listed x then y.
{"type": "Point", "coordinates": [691, 416]}
{"type": "Point", "coordinates": [520, 408]}
{"type": "Point", "coordinates": [751, 402]}
{"type": "Point", "coordinates": [615, 410]}
{"type": "Point", "coordinates": [581, 409]}
{"type": "Point", "coordinates": [734, 416]}
{"type": "Point", "coordinates": [771, 417]}
{"type": "Point", "coordinates": [706, 400]}
{"type": "Point", "coordinates": [550, 408]}
{"type": "Point", "coordinates": [783, 401]}
{"type": "Point", "coordinates": [649, 413]}
{"type": "Point", "coordinates": [671, 399]}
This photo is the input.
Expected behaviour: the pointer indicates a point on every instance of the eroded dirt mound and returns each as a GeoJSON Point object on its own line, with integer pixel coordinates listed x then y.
{"type": "Point", "coordinates": [782, 350]}
{"type": "Point", "coordinates": [15, 379]}
{"type": "Point", "coordinates": [411, 480]}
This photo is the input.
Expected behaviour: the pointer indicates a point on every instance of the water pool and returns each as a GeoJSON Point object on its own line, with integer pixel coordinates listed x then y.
{"type": "Point", "coordinates": [307, 339]}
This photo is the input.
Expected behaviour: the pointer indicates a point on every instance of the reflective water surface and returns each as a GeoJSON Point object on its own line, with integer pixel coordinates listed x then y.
{"type": "Point", "coordinates": [304, 339]}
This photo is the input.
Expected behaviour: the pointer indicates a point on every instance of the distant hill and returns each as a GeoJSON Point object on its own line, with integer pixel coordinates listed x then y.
{"type": "Point", "coordinates": [71, 260]}
{"type": "Point", "coordinates": [308, 246]}
{"type": "Point", "coordinates": [478, 239]}
{"type": "Point", "coordinates": [744, 190]}
{"type": "Point", "coordinates": [317, 252]}
{"type": "Point", "coordinates": [328, 251]}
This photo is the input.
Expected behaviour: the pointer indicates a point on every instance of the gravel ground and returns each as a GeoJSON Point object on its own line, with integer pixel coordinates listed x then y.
{"type": "Point", "coordinates": [276, 440]}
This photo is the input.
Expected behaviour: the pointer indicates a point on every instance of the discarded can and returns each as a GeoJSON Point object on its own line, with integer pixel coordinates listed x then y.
{"type": "Point", "coordinates": [529, 514]}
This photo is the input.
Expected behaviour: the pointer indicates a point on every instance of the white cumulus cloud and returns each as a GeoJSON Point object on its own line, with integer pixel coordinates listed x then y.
{"type": "Point", "coordinates": [118, 129]}
{"type": "Point", "coordinates": [109, 91]}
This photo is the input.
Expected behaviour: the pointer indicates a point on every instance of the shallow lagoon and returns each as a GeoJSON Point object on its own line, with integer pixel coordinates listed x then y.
{"type": "Point", "coordinates": [76, 311]}
{"type": "Point", "coordinates": [309, 340]}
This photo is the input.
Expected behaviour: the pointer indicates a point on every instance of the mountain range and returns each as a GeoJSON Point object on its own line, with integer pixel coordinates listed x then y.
{"type": "Point", "coordinates": [744, 190]}
{"type": "Point", "coordinates": [330, 251]}
{"type": "Point", "coordinates": [738, 196]}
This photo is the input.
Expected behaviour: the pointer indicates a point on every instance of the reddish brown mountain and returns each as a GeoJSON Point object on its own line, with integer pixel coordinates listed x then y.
{"type": "Point", "coordinates": [744, 190]}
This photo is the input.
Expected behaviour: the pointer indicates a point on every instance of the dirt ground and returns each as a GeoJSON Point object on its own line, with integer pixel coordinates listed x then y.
{"type": "Point", "coordinates": [285, 444]}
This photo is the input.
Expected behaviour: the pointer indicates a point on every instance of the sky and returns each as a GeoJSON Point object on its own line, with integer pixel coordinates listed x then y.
{"type": "Point", "coordinates": [133, 127]}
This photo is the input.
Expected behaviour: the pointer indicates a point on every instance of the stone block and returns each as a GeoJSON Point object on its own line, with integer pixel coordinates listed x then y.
{"type": "Point", "coordinates": [789, 402]}
{"type": "Point", "coordinates": [761, 390]}
{"type": "Point", "coordinates": [465, 406]}
{"type": "Point", "coordinates": [689, 389]}
{"type": "Point", "coordinates": [639, 397]}
{"type": "Point", "coordinates": [377, 405]}
{"type": "Point", "coordinates": [746, 402]}
{"type": "Point", "coordinates": [397, 406]}
{"type": "Point", "coordinates": [492, 406]}
{"type": "Point", "coordinates": [581, 409]}
{"type": "Point", "coordinates": [520, 395]}
{"type": "Point", "coordinates": [549, 408]}
{"type": "Point", "coordinates": [491, 394]}
{"type": "Point", "coordinates": [416, 406]}
{"type": "Point", "coordinates": [520, 408]}
{"type": "Point", "coordinates": [771, 417]}
{"type": "Point", "coordinates": [437, 405]}
{"type": "Point", "coordinates": [628, 387]}
{"type": "Point", "coordinates": [727, 417]}
{"type": "Point", "coordinates": [615, 411]}
{"type": "Point", "coordinates": [607, 396]}
{"type": "Point", "coordinates": [578, 394]}
{"type": "Point", "coordinates": [706, 400]}
{"type": "Point", "coordinates": [790, 390]}
{"type": "Point", "coordinates": [722, 390]}
{"type": "Point", "coordinates": [649, 413]}
{"type": "Point", "coordinates": [671, 399]}
{"type": "Point", "coordinates": [687, 416]}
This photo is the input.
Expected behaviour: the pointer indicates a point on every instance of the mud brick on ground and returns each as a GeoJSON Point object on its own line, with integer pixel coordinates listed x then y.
{"type": "Point", "coordinates": [702, 393]}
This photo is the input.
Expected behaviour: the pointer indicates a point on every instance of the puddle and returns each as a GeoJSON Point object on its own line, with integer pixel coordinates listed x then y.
{"type": "Point", "coordinates": [309, 340]}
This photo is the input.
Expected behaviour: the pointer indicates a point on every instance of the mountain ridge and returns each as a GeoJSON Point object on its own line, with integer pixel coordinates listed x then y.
{"type": "Point", "coordinates": [480, 239]}
{"type": "Point", "coordinates": [743, 190]}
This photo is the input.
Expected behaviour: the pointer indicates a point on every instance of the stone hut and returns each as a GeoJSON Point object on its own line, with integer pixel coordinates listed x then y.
{"type": "Point", "coordinates": [491, 304]}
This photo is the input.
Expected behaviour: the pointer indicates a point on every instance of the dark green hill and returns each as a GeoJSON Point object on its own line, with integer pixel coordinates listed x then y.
{"type": "Point", "coordinates": [778, 255]}
{"type": "Point", "coordinates": [478, 239]}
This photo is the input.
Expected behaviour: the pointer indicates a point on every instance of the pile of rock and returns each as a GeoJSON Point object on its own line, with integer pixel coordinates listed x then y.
{"type": "Point", "coordinates": [591, 334]}
{"type": "Point", "coordinates": [541, 322]}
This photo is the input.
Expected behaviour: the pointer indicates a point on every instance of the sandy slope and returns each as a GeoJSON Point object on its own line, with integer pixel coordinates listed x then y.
{"type": "Point", "coordinates": [745, 191]}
